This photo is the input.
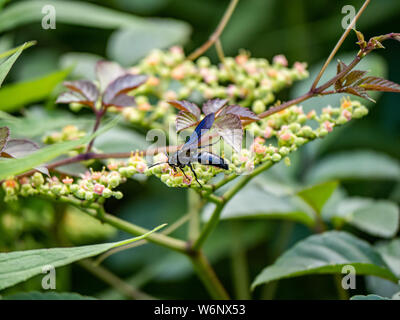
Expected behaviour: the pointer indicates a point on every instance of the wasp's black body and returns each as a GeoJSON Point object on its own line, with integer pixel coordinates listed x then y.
{"type": "Point", "coordinates": [189, 153]}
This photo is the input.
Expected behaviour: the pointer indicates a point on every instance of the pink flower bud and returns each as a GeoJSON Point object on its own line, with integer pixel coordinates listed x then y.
{"type": "Point", "coordinates": [328, 126]}
{"type": "Point", "coordinates": [241, 59]}
{"type": "Point", "coordinates": [141, 167]}
{"type": "Point", "coordinates": [285, 136]}
{"type": "Point", "coordinates": [300, 67]}
{"type": "Point", "coordinates": [280, 59]}
{"type": "Point", "coordinates": [178, 73]}
{"type": "Point", "coordinates": [249, 166]}
{"type": "Point", "coordinates": [176, 50]}
{"type": "Point", "coordinates": [268, 132]}
{"type": "Point", "coordinates": [347, 114]}
{"type": "Point", "coordinates": [98, 188]}
{"type": "Point", "coordinates": [67, 180]}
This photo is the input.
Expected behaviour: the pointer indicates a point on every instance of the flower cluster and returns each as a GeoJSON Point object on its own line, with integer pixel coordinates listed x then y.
{"type": "Point", "coordinates": [68, 133]}
{"type": "Point", "coordinates": [250, 82]}
{"type": "Point", "coordinates": [289, 129]}
{"type": "Point", "coordinates": [91, 186]}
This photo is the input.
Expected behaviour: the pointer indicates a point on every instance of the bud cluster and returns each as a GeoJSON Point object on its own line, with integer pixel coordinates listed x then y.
{"type": "Point", "coordinates": [289, 129]}
{"type": "Point", "coordinates": [68, 133]}
{"type": "Point", "coordinates": [250, 82]}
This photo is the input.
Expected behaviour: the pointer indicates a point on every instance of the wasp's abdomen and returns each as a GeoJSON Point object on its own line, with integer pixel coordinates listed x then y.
{"type": "Point", "coordinates": [211, 159]}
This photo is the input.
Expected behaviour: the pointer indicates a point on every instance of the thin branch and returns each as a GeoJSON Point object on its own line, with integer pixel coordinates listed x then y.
{"type": "Point", "coordinates": [216, 34]}
{"type": "Point", "coordinates": [339, 44]}
{"type": "Point", "coordinates": [220, 50]}
{"type": "Point", "coordinates": [215, 216]}
{"type": "Point", "coordinates": [99, 116]}
{"type": "Point", "coordinates": [114, 281]}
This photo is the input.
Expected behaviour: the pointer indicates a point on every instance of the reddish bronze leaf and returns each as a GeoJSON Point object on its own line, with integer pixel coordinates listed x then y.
{"type": "Point", "coordinates": [85, 88]}
{"type": "Point", "coordinates": [354, 76]}
{"type": "Point", "coordinates": [185, 120]}
{"type": "Point", "coordinates": [213, 105]}
{"type": "Point", "coordinates": [122, 85]}
{"type": "Point", "coordinates": [123, 100]}
{"type": "Point", "coordinates": [358, 91]}
{"type": "Point", "coordinates": [4, 136]}
{"type": "Point", "coordinates": [379, 84]}
{"type": "Point", "coordinates": [340, 67]}
{"type": "Point", "coordinates": [242, 112]}
{"type": "Point", "coordinates": [107, 72]}
{"type": "Point", "coordinates": [187, 106]}
{"type": "Point", "coordinates": [19, 148]}
{"type": "Point", "coordinates": [72, 96]}
{"type": "Point", "coordinates": [229, 127]}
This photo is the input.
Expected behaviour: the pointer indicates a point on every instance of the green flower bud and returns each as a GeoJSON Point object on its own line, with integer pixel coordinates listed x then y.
{"type": "Point", "coordinates": [284, 151]}
{"type": "Point", "coordinates": [37, 179]}
{"type": "Point", "coordinates": [360, 112]}
{"type": "Point", "coordinates": [75, 106]}
{"type": "Point", "coordinates": [258, 106]}
{"type": "Point", "coordinates": [89, 195]}
{"type": "Point", "coordinates": [56, 189]}
{"type": "Point", "coordinates": [276, 157]}
{"type": "Point", "coordinates": [80, 193]}
{"type": "Point", "coordinates": [118, 195]}
{"type": "Point", "coordinates": [107, 193]}
{"type": "Point", "coordinates": [203, 62]}
{"type": "Point", "coordinates": [287, 161]}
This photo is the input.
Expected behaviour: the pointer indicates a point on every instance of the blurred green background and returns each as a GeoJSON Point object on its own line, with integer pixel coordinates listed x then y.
{"type": "Point", "coordinates": [303, 30]}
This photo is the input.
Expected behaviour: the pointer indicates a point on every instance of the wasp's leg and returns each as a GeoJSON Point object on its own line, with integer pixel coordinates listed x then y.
{"type": "Point", "coordinates": [195, 175]}
{"type": "Point", "coordinates": [184, 173]}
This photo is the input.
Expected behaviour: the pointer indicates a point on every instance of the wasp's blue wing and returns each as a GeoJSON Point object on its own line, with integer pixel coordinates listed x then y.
{"type": "Point", "coordinates": [202, 127]}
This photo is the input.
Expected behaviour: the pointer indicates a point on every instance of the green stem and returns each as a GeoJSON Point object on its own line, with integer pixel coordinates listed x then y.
{"type": "Point", "coordinates": [217, 33]}
{"type": "Point", "coordinates": [114, 281]}
{"type": "Point", "coordinates": [157, 238]}
{"type": "Point", "coordinates": [194, 204]}
{"type": "Point", "coordinates": [208, 276]}
{"type": "Point", "coordinates": [214, 219]}
{"type": "Point", "coordinates": [342, 293]}
{"type": "Point", "coordinates": [239, 265]}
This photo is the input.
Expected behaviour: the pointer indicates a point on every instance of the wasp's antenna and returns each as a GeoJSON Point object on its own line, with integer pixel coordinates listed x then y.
{"type": "Point", "coordinates": [156, 164]}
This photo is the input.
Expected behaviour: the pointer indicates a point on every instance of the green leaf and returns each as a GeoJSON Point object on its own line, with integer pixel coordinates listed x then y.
{"type": "Point", "coordinates": [316, 196]}
{"type": "Point", "coordinates": [127, 46]}
{"type": "Point", "coordinates": [11, 167]}
{"type": "Point", "coordinates": [390, 251]}
{"type": "Point", "coordinates": [71, 12]}
{"type": "Point", "coordinates": [21, 265]}
{"type": "Point", "coordinates": [15, 96]}
{"type": "Point", "coordinates": [5, 67]}
{"type": "Point", "coordinates": [326, 253]}
{"type": "Point", "coordinates": [24, 46]}
{"type": "Point", "coordinates": [368, 297]}
{"type": "Point", "coordinates": [253, 202]}
{"type": "Point", "coordinates": [355, 165]}
{"type": "Point", "coordinates": [36, 295]}
{"type": "Point", "coordinates": [378, 218]}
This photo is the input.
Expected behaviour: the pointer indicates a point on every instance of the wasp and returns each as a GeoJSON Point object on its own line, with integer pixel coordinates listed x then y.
{"type": "Point", "coordinates": [191, 151]}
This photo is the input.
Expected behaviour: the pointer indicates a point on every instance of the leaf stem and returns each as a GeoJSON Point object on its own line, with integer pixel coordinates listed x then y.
{"type": "Point", "coordinates": [208, 276]}
{"type": "Point", "coordinates": [113, 280]}
{"type": "Point", "coordinates": [339, 44]}
{"type": "Point", "coordinates": [215, 216]}
{"type": "Point", "coordinates": [217, 33]}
